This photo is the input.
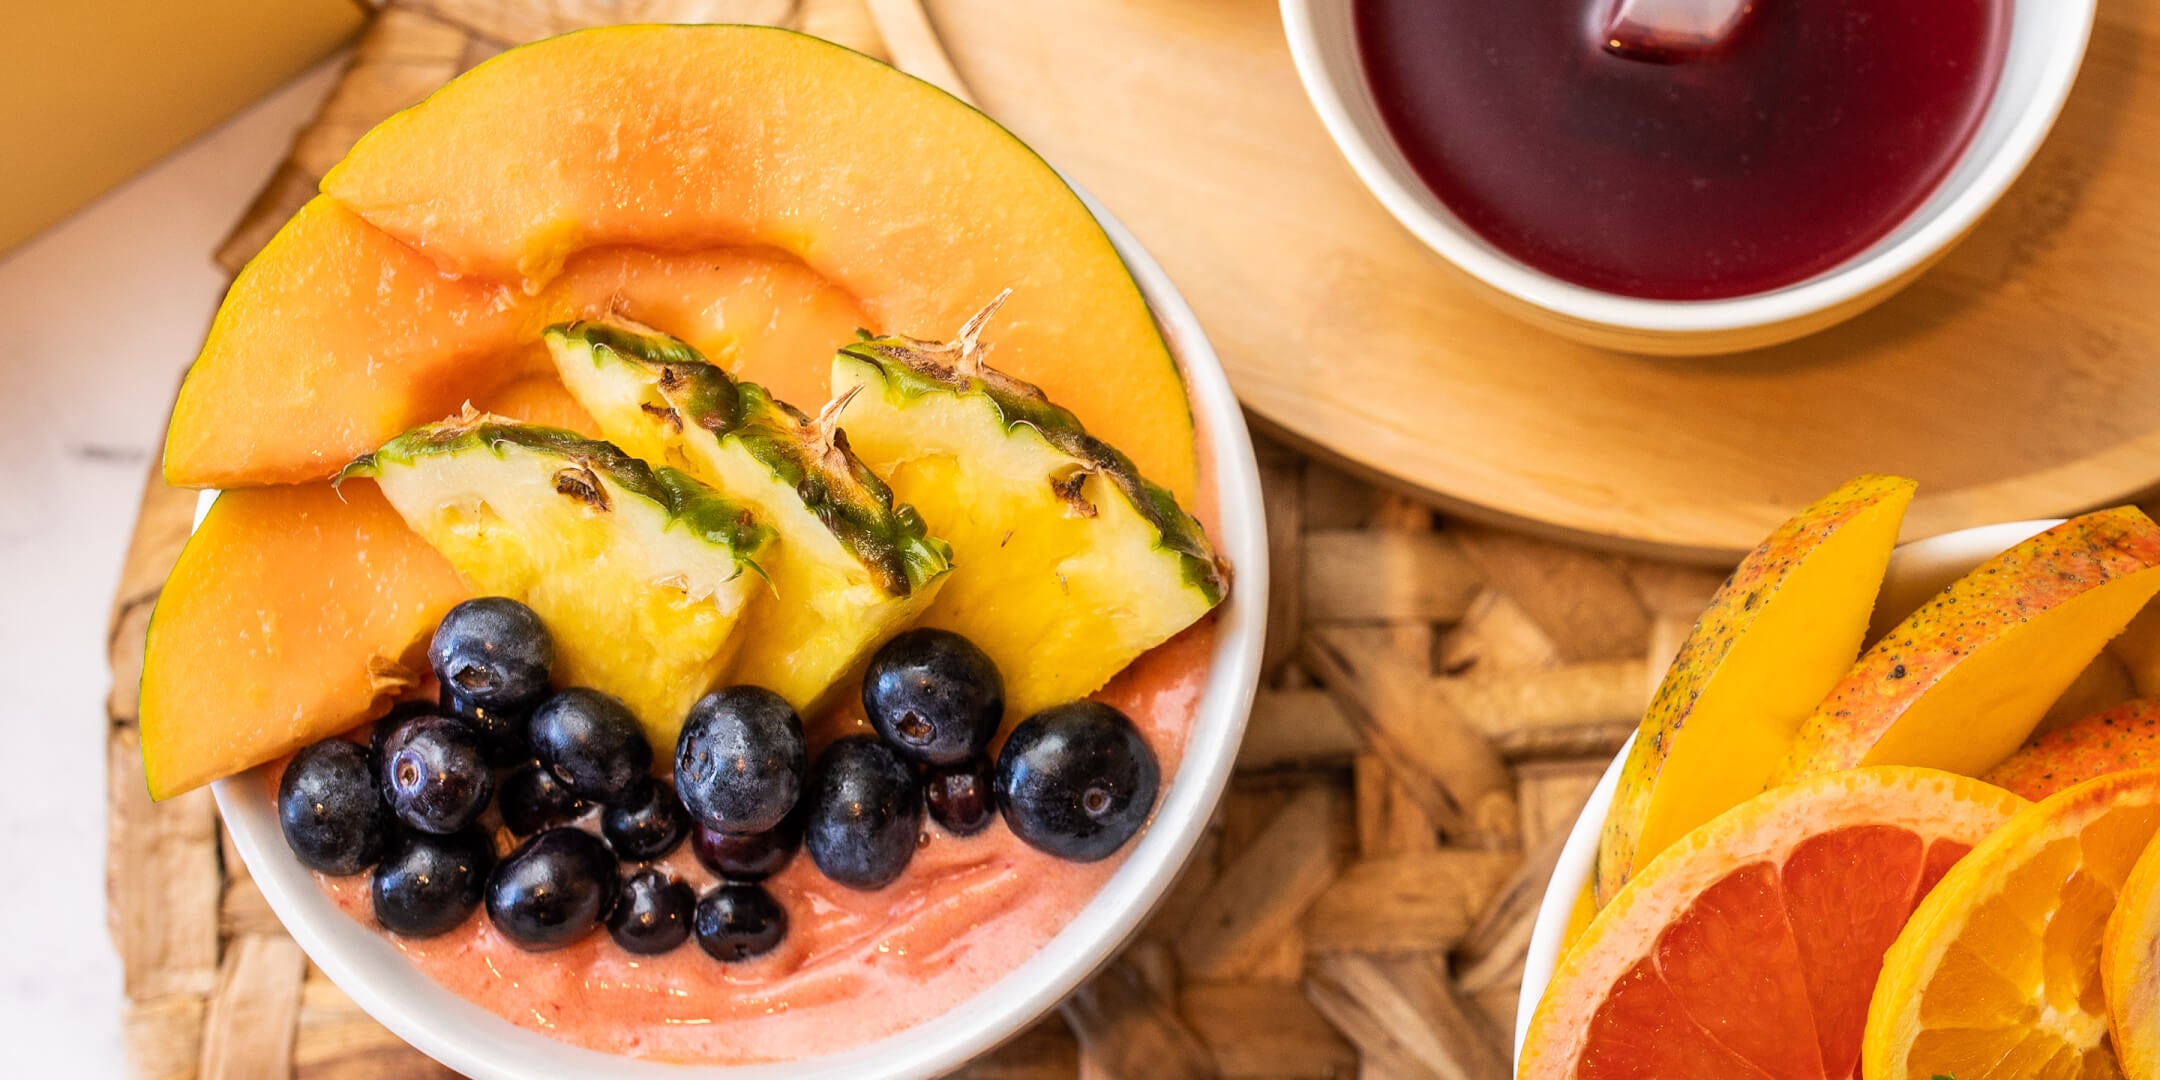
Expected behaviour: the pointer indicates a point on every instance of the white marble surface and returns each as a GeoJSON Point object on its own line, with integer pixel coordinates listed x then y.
{"type": "Point", "coordinates": [98, 317]}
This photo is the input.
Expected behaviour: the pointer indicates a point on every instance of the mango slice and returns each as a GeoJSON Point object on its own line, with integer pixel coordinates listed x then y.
{"type": "Point", "coordinates": [1774, 639]}
{"type": "Point", "coordinates": [1962, 681]}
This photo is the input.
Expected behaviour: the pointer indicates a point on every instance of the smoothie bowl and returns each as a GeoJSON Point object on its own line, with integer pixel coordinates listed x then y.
{"type": "Point", "coordinates": [1890, 813]}
{"type": "Point", "coordinates": [580, 703]}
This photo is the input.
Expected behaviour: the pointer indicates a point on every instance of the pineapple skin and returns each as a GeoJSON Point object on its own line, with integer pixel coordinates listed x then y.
{"type": "Point", "coordinates": [1068, 564]}
{"type": "Point", "coordinates": [850, 570]}
{"type": "Point", "coordinates": [639, 573]}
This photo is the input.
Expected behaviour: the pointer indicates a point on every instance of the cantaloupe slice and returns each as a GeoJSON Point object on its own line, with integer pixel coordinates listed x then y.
{"type": "Point", "coordinates": [895, 200]}
{"type": "Point", "coordinates": [542, 400]}
{"type": "Point", "coordinates": [332, 339]}
{"type": "Point", "coordinates": [293, 614]}
{"type": "Point", "coordinates": [336, 338]}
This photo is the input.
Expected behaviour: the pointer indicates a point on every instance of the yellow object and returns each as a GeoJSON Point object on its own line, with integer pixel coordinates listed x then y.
{"type": "Point", "coordinates": [1998, 973]}
{"type": "Point", "coordinates": [1579, 917]}
{"type": "Point", "coordinates": [94, 90]}
{"type": "Point", "coordinates": [850, 569]}
{"type": "Point", "coordinates": [1962, 681]}
{"type": "Point", "coordinates": [641, 576]}
{"type": "Point", "coordinates": [1774, 640]}
{"type": "Point", "coordinates": [2138, 649]}
{"type": "Point", "coordinates": [2128, 970]}
{"type": "Point", "coordinates": [1067, 563]}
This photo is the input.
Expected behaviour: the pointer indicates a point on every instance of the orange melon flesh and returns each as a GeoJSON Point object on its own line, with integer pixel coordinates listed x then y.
{"type": "Point", "coordinates": [336, 338]}
{"type": "Point", "coordinates": [540, 399]}
{"type": "Point", "coordinates": [760, 314]}
{"type": "Point", "coordinates": [333, 339]}
{"type": "Point", "coordinates": [681, 137]}
{"type": "Point", "coordinates": [279, 626]}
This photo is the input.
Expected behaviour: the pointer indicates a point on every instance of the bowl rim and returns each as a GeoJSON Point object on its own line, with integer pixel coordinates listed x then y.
{"type": "Point", "coordinates": [1880, 266]}
{"type": "Point", "coordinates": [1925, 563]}
{"type": "Point", "coordinates": [464, 1036]}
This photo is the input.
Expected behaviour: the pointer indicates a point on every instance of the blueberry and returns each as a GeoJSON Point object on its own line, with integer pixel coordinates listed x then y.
{"type": "Point", "coordinates": [749, 856]}
{"type": "Point", "coordinates": [934, 696]}
{"type": "Point", "coordinates": [333, 817]}
{"type": "Point", "coordinates": [737, 922]}
{"type": "Point", "coordinates": [739, 761]}
{"type": "Point", "coordinates": [652, 913]}
{"type": "Point", "coordinates": [961, 796]}
{"type": "Point", "coordinates": [434, 776]}
{"type": "Point", "coordinates": [865, 816]}
{"type": "Point", "coordinates": [531, 799]}
{"type": "Point", "coordinates": [1077, 780]}
{"type": "Point", "coordinates": [494, 651]}
{"type": "Point", "coordinates": [592, 743]}
{"type": "Point", "coordinates": [427, 884]}
{"type": "Point", "coordinates": [647, 825]}
{"type": "Point", "coordinates": [400, 714]}
{"type": "Point", "coordinates": [554, 889]}
{"type": "Point", "coordinates": [501, 731]}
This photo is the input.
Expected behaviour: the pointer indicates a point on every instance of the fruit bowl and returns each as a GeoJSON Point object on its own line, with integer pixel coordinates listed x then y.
{"type": "Point", "coordinates": [371, 968]}
{"type": "Point", "coordinates": [1916, 572]}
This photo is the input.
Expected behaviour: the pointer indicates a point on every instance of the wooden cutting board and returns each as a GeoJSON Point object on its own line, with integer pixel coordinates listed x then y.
{"type": "Point", "coordinates": [2016, 380]}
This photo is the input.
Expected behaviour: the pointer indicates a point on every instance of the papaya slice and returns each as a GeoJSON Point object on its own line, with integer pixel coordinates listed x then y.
{"type": "Point", "coordinates": [294, 613]}
{"type": "Point", "coordinates": [460, 228]}
{"type": "Point", "coordinates": [336, 338]}
{"type": "Point", "coordinates": [329, 342]}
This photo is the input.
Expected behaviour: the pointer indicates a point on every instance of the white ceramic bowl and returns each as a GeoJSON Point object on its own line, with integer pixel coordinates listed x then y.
{"type": "Point", "coordinates": [468, 1038]}
{"type": "Point", "coordinates": [2046, 45]}
{"type": "Point", "coordinates": [1917, 571]}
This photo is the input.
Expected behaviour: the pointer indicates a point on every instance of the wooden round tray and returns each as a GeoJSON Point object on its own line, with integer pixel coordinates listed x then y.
{"type": "Point", "coordinates": [2015, 380]}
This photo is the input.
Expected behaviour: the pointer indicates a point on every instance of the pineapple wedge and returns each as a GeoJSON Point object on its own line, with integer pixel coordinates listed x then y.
{"type": "Point", "coordinates": [638, 573]}
{"type": "Point", "coordinates": [1067, 563]}
{"type": "Point", "coordinates": [851, 569]}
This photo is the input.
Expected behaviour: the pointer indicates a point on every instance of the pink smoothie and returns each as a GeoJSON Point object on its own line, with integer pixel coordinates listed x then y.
{"type": "Point", "coordinates": [856, 966]}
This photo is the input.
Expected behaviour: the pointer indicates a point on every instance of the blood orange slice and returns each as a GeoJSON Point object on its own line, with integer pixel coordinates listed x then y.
{"type": "Point", "coordinates": [1749, 949]}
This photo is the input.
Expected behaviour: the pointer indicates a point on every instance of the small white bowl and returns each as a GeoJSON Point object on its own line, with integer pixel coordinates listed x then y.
{"type": "Point", "coordinates": [477, 1043]}
{"type": "Point", "coordinates": [1917, 571]}
{"type": "Point", "coordinates": [2046, 45]}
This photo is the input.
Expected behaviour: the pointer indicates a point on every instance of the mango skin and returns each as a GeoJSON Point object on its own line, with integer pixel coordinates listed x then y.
{"type": "Point", "coordinates": [1732, 612]}
{"type": "Point", "coordinates": [1990, 629]}
{"type": "Point", "coordinates": [2115, 739]}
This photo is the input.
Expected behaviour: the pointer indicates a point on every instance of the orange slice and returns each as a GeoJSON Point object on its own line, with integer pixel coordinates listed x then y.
{"type": "Point", "coordinates": [2130, 969]}
{"type": "Point", "coordinates": [1748, 949]}
{"type": "Point", "coordinates": [1998, 973]}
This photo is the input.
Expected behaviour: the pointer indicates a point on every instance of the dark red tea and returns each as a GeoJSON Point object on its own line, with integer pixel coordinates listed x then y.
{"type": "Point", "coordinates": [1796, 141]}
